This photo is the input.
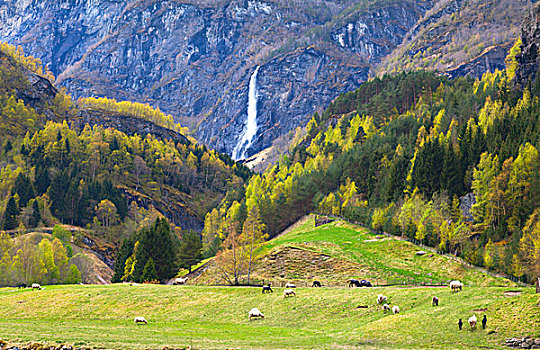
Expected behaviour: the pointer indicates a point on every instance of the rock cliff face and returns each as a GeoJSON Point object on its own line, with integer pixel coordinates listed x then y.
{"type": "Point", "coordinates": [460, 37]}
{"type": "Point", "coordinates": [36, 91]}
{"type": "Point", "coordinates": [193, 59]}
{"type": "Point", "coordinates": [529, 59]}
{"type": "Point", "coordinates": [126, 124]}
{"type": "Point", "coordinates": [488, 61]}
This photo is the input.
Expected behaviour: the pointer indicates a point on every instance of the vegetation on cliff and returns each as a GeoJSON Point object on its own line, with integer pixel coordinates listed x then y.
{"type": "Point", "coordinates": [456, 32]}
{"type": "Point", "coordinates": [401, 154]}
{"type": "Point", "coordinates": [95, 177]}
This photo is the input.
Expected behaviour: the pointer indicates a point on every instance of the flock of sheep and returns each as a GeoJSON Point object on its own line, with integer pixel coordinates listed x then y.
{"type": "Point", "coordinates": [455, 286]}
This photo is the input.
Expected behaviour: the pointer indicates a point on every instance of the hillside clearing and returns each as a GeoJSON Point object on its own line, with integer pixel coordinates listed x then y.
{"type": "Point", "coordinates": [337, 251]}
{"type": "Point", "coordinates": [216, 317]}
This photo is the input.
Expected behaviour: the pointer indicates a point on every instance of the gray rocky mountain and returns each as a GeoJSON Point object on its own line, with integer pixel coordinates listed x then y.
{"type": "Point", "coordinates": [194, 59]}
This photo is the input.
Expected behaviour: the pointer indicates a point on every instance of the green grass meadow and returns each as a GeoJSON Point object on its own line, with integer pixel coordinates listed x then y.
{"type": "Point", "coordinates": [217, 317]}
{"type": "Point", "coordinates": [383, 259]}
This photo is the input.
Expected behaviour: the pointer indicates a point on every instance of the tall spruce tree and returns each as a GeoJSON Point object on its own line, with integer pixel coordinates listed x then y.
{"type": "Point", "coordinates": [164, 252]}
{"type": "Point", "coordinates": [126, 249]}
{"type": "Point", "coordinates": [190, 252]}
{"type": "Point", "coordinates": [149, 273]}
{"type": "Point", "coordinates": [156, 242]}
{"type": "Point", "coordinates": [23, 187]}
{"type": "Point", "coordinates": [36, 215]}
{"type": "Point", "coordinates": [9, 220]}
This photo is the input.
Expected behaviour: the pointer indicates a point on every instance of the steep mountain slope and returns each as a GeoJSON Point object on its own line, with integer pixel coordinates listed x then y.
{"type": "Point", "coordinates": [110, 167]}
{"type": "Point", "coordinates": [453, 163]}
{"type": "Point", "coordinates": [528, 59]}
{"type": "Point", "coordinates": [335, 252]}
{"type": "Point", "coordinates": [194, 59]}
{"type": "Point", "coordinates": [460, 37]}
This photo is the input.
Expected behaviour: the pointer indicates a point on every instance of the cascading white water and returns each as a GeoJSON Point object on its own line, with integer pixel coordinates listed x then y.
{"type": "Point", "coordinates": [250, 129]}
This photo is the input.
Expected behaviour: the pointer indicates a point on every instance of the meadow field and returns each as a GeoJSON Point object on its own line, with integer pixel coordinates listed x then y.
{"type": "Point", "coordinates": [204, 317]}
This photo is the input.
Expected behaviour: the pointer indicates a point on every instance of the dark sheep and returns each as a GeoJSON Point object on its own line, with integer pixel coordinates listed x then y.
{"type": "Point", "coordinates": [435, 301]}
{"type": "Point", "coordinates": [484, 322]}
{"type": "Point", "coordinates": [22, 285]}
{"type": "Point", "coordinates": [460, 324]}
{"type": "Point", "coordinates": [364, 283]}
{"type": "Point", "coordinates": [316, 284]}
{"type": "Point", "coordinates": [267, 289]}
{"type": "Point", "coordinates": [354, 283]}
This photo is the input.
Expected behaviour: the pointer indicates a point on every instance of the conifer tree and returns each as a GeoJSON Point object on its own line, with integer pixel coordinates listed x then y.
{"type": "Point", "coordinates": [156, 242]}
{"type": "Point", "coordinates": [36, 215]}
{"type": "Point", "coordinates": [23, 187]}
{"type": "Point", "coordinates": [126, 250]}
{"type": "Point", "coordinates": [149, 273]}
{"type": "Point", "coordinates": [190, 252]}
{"type": "Point", "coordinates": [10, 221]}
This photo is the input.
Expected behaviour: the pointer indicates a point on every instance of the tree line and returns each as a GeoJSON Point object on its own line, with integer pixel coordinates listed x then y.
{"type": "Point", "coordinates": [154, 254]}
{"type": "Point", "coordinates": [38, 259]}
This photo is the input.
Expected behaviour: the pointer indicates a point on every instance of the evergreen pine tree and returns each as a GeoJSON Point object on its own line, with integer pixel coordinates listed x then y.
{"type": "Point", "coordinates": [10, 221]}
{"type": "Point", "coordinates": [190, 252]}
{"type": "Point", "coordinates": [149, 273]}
{"type": "Point", "coordinates": [156, 242]}
{"type": "Point", "coordinates": [164, 252]}
{"type": "Point", "coordinates": [141, 255]}
{"type": "Point", "coordinates": [57, 193]}
{"type": "Point", "coordinates": [24, 188]}
{"type": "Point", "coordinates": [123, 254]}
{"type": "Point", "coordinates": [36, 215]}
{"type": "Point", "coordinates": [42, 180]}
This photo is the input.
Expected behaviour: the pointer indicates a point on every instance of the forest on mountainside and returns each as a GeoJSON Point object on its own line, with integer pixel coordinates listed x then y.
{"type": "Point", "coordinates": [111, 183]}
{"type": "Point", "coordinates": [405, 153]}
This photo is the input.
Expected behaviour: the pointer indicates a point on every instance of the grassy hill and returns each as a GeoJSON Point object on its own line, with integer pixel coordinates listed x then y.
{"type": "Point", "coordinates": [337, 251]}
{"type": "Point", "coordinates": [216, 317]}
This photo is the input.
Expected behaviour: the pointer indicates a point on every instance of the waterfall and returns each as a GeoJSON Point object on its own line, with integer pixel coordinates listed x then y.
{"type": "Point", "coordinates": [250, 129]}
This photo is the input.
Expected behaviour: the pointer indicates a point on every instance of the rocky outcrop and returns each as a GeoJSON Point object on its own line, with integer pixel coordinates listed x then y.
{"type": "Point", "coordinates": [193, 59]}
{"type": "Point", "coordinates": [35, 90]}
{"type": "Point", "coordinates": [465, 206]}
{"type": "Point", "coordinates": [489, 61]}
{"type": "Point", "coordinates": [523, 343]}
{"type": "Point", "coordinates": [374, 34]}
{"type": "Point", "coordinates": [38, 91]}
{"type": "Point", "coordinates": [127, 124]}
{"type": "Point", "coordinates": [529, 59]}
{"type": "Point", "coordinates": [460, 37]}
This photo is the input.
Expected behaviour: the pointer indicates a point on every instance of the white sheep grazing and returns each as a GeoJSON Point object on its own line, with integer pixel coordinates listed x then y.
{"type": "Point", "coordinates": [36, 286]}
{"type": "Point", "coordinates": [386, 307]}
{"type": "Point", "coordinates": [179, 281]}
{"type": "Point", "coordinates": [381, 299]}
{"type": "Point", "coordinates": [288, 293]}
{"type": "Point", "coordinates": [472, 321]}
{"type": "Point", "coordinates": [395, 309]}
{"type": "Point", "coordinates": [255, 313]}
{"type": "Point", "coordinates": [290, 285]}
{"type": "Point", "coordinates": [139, 320]}
{"type": "Point", "coordinates": [456, 286]}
